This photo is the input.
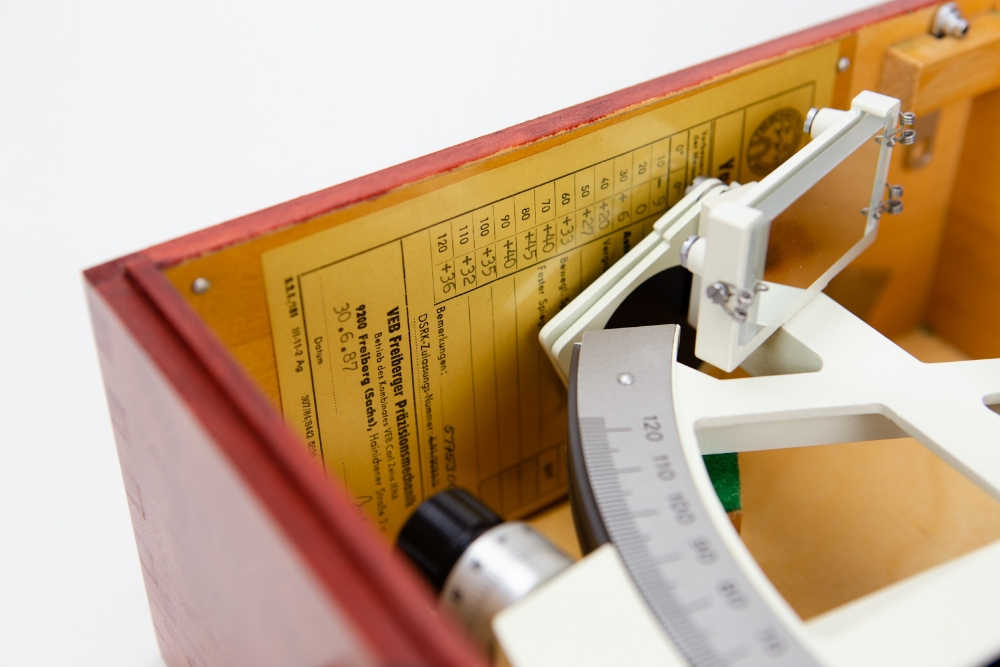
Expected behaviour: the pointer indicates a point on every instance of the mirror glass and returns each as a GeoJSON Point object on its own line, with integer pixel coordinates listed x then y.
{"type": "Point", "coordinates": [814, 232]}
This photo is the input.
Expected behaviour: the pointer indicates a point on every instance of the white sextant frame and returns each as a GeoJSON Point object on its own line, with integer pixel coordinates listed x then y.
{"type": "Point", "coordinates": [826, 378]}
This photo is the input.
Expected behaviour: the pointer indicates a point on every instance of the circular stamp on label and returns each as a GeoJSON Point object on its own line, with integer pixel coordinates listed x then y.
{"type": "Point", "coordinates": [775, 140]}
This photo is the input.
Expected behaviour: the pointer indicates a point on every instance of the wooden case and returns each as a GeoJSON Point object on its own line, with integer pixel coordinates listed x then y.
{"type": "Point", "coordinates": [252, 556]}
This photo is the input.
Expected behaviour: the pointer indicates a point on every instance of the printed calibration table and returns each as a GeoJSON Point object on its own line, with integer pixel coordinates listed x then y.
{"type": "Point", "coordinates": [407, 347]}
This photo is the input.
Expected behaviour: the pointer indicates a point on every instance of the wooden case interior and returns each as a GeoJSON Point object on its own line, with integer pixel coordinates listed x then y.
{"type": "Point", "coordinates": [845, 519]}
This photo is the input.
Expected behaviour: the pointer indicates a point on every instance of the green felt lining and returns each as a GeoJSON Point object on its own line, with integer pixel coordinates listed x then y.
{"type": "Point", "coordinates": [724, 471]}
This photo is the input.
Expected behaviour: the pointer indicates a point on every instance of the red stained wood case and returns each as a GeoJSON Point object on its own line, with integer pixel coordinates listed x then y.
{"type": "Point", "coordinates": [251, 555]}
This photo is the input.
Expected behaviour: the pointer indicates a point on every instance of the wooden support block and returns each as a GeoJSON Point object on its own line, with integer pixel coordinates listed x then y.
{"type": "Point", "coordinates": [888, 286]}
{"type": "Point", "coordinates": [927, 73]}
{"type": "Point", "coordinates": [965, 304]}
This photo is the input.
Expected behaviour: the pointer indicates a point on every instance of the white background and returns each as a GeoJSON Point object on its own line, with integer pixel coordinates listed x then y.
{"type": "Point", "coordinates": [123, 124]}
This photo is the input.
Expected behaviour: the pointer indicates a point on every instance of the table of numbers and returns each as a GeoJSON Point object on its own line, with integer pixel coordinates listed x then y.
{"type": "Point", "coordinates": [535, 225]}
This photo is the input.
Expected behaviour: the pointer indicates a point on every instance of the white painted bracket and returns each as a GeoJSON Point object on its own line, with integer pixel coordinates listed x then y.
{"type": "Point", "coordinates": [657, 252]}
{"type": "Point", "coordinates": [741, 229]}
{"type": "Point", "coordinates": [590, 615]}
{"type": "Point", "coordinates": [736, 234]}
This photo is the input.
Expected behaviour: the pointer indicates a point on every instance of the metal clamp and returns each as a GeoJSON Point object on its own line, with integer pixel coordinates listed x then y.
{"type": "Point", "coordinates": [893, 205]}
{"type": "Point", "coordinates": [906, 136]}
{"type": "Point", "coordinates": [721, 292]}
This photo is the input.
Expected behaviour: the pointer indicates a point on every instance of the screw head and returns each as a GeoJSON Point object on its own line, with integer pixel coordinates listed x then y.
{"type": "Point", "coordinates": [718, 292]}
{"type": "Point", "coordinates": [843, 64]}
{"type": "Point", "coordinates": [686, 248]}
{"type": "Point", "coordinates": [810, 117]}
{"type": "Point", "coordinates": [949, 21]}
{"type": "Point", "coordinates": [626, 379]}
{"type": "Point", "coordinates": [201, 285]}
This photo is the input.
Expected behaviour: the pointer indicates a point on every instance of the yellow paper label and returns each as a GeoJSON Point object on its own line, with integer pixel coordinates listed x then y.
{"type": "Point", "coordinates": [406, 340]}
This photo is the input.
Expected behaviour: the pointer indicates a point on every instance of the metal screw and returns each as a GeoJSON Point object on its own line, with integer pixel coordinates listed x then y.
{"type": "Point", "coordinates": [718, 292]}
{"type": "Point", "coordinates": [626, 379]}
{"type": "Point", "coordinates": [810, 117]}
{"type": "Point", "coordinates": [843, 64]}
{"type": "Point", "coordinates": [949, 21]}
{"type": "Point", "coordinates": [201, 285]}
{"type": "Point", "coordinates": [686, 248]}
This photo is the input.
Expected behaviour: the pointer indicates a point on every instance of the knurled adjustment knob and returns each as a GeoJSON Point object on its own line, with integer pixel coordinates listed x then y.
{"type": "Point", "coordinates": [442, 528]}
